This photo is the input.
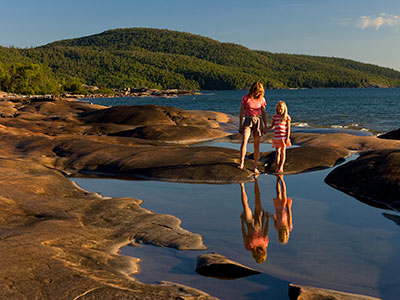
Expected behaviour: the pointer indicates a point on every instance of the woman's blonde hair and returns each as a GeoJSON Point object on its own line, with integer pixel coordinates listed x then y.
{"type": "Point", "coordinates": [256, 90]}
{"type": "Point", "coordinates": [285, 110]}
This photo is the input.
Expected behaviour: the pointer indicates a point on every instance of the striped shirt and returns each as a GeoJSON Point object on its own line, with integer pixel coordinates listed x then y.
{"type": "Point", "coordinates": [280, 132]}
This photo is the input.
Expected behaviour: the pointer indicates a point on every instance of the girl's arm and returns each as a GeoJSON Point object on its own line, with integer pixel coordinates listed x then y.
{"type": "Point", "coordinates": [288, 131]}
{"type": "Point", "coordinates": [267, 128]}
{"type": "Point", "coordinates": [241, 115]}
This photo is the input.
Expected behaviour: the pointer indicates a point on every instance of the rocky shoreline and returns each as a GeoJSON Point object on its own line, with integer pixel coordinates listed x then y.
{"type": "Point", "coordinates": [94, 92]}
{"type": "Point", "coordinates": [58, 241]}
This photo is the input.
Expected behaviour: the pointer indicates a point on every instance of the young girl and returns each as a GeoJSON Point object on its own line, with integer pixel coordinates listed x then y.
{"type": "Point", "coordinates": [253, 110]}
{"type": "Point", "coordinates": [281, 124]}
{"type": "Point", "coordinates": [255, 239]}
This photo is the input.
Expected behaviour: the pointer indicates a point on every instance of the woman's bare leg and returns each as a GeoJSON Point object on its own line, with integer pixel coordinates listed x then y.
{"type": "Point", "coordinates": [243, 147]}
{"type": "Point", "coordinates": [256, 153]}
{"type": "Point", "coordinates": [246, 209]}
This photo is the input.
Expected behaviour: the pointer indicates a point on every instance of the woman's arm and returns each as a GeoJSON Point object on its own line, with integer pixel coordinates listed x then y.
{"type": "Point", "coordinates": [241, 115]}
{"type": "Point", "coordinates": [265, 232]}
{"type": "Point", "coordinates": [264, 116]}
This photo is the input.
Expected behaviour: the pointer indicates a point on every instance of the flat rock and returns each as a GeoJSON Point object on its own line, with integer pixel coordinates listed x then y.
{"type": "Point", "coordinates": [344, 140]}
{"type": "Point", "coordinates": [374, 178]}
{"type": "Point", "coordinates": [147, 115]}
{"type": "Point", "coordinates": [169, 133]}
{"type": "Point", "coordinates": [305, 159]}
{"type": "Point", "coordinates": [300, 292]}
{"type": "Point", "coordinates": [61, 242]}
{"type": "Point", "coordinates": [201, 164]}
{"type": "Point", "coordinates": [218, 266]}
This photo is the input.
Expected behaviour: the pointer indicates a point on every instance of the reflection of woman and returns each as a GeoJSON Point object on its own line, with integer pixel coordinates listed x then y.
{"type": "Point", "coordinates": [256, 237]}
{"type": "Point", "coordinates": [283, 211]}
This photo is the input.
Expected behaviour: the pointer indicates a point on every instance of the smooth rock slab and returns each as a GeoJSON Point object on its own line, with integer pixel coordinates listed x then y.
{"type": "Point", "coordinates": [173, 134]}
{"type": "Point", "coordinates": [305, 159]}
{"type": "Point", "coordinates": [218, 266]}
{"type": "Point", "coordinates": [148, 115]}
{"type": "Point", "coordinates": [61, 242]}
{"type": "Point", "coordinates": [201, 164]}
{"type": "Point", "coordinates": [373, 178]}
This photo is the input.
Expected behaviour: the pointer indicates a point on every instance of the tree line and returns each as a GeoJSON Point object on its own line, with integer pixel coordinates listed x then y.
{"type": "Point", "coordinates": [153, 58]}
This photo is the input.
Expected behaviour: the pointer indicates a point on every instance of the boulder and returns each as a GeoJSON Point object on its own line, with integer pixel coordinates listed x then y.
{"type": "Point", "coordinates": [218, 266]}
{"type": "Point", "coordinates": [374, 178]}
{"type": "Point", "coordinates": [305, 159]}
{"type": "Point", "coordinates": [391, 135]}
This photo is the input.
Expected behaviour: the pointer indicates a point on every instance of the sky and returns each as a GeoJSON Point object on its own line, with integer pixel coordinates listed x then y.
{"type": "Point", "coordinates": [363, 30]}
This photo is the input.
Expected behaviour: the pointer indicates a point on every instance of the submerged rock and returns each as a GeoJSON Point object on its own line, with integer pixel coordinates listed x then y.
{"type": "Point", "coordinates": [300, 292]}
{"type": "Point", "coordinates": [373, 178]}
{"type": "Point", "coordinates": [218, 266]}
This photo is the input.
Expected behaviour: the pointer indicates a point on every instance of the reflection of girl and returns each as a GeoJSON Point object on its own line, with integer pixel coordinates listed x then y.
{"type": "Point", "coordinates": [283, 211]}
{"type": "Point", "coordinates": [256, 237]}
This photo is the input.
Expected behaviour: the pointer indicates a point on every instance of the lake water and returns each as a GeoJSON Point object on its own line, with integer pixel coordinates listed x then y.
{"type": "Point", "coordinates": [373, 110]}
{"type": "Point", "coordinates": [336, 242]}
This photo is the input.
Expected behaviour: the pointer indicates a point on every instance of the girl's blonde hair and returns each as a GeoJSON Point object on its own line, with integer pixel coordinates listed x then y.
{"type": "Point", "coordinates": [259, 254]}
{"type": "Point", "coordinates": [285, 110]}
{"type": "Point", "coordinates": [256, 90]}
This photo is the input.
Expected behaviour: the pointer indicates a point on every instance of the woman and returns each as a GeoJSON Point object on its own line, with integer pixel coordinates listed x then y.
{"type": "Point", "coordinates": [252, 120]}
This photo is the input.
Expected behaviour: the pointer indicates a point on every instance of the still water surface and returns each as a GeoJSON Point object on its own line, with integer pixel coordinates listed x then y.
{"type": "Point", "coordinates": [336, 242]}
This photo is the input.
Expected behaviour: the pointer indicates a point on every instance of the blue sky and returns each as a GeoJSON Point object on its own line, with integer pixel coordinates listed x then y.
{"type": "Point", "coordinates": [362, 30]}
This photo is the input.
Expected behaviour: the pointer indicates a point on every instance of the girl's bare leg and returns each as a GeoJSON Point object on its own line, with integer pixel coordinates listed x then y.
{"type": "Point", "coordinates": [282, 159]}
{"type": "Point", "coordinates": [243, 147]}
{"type": "Point", "coordinates": [277, 158]}
{"type": "Point", "coordinates": [256, 153]}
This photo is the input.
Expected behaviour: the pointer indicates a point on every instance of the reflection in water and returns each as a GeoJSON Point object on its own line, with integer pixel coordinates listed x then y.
{"type": "Point", "coordinates": [255, 238]}
{"type": "Point", "coordinates": [255, 225]}
{"type": "Point", "coordinates": [283, 211]}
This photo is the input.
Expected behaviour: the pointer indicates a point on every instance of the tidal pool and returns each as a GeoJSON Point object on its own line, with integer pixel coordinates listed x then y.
{"type": "Point", "coordinates": [336, 241]}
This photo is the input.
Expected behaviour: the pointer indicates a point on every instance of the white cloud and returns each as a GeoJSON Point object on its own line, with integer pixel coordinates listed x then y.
{"type": "Point", "coordinates": [384, 20]}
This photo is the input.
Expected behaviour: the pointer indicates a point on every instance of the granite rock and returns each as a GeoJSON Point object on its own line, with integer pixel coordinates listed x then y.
{"type": "Point", "coordinates": [374, 178]}
{"type": "Point", "coordinates": [305, 159]}
{"type": "Point", "coordinates": [218, 266]}
{"type": "Point", "coordinates": [391, 135]}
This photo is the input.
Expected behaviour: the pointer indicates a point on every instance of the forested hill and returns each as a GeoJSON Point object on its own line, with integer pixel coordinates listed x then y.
{"type": "Point", "coordinates": [155, 58]}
